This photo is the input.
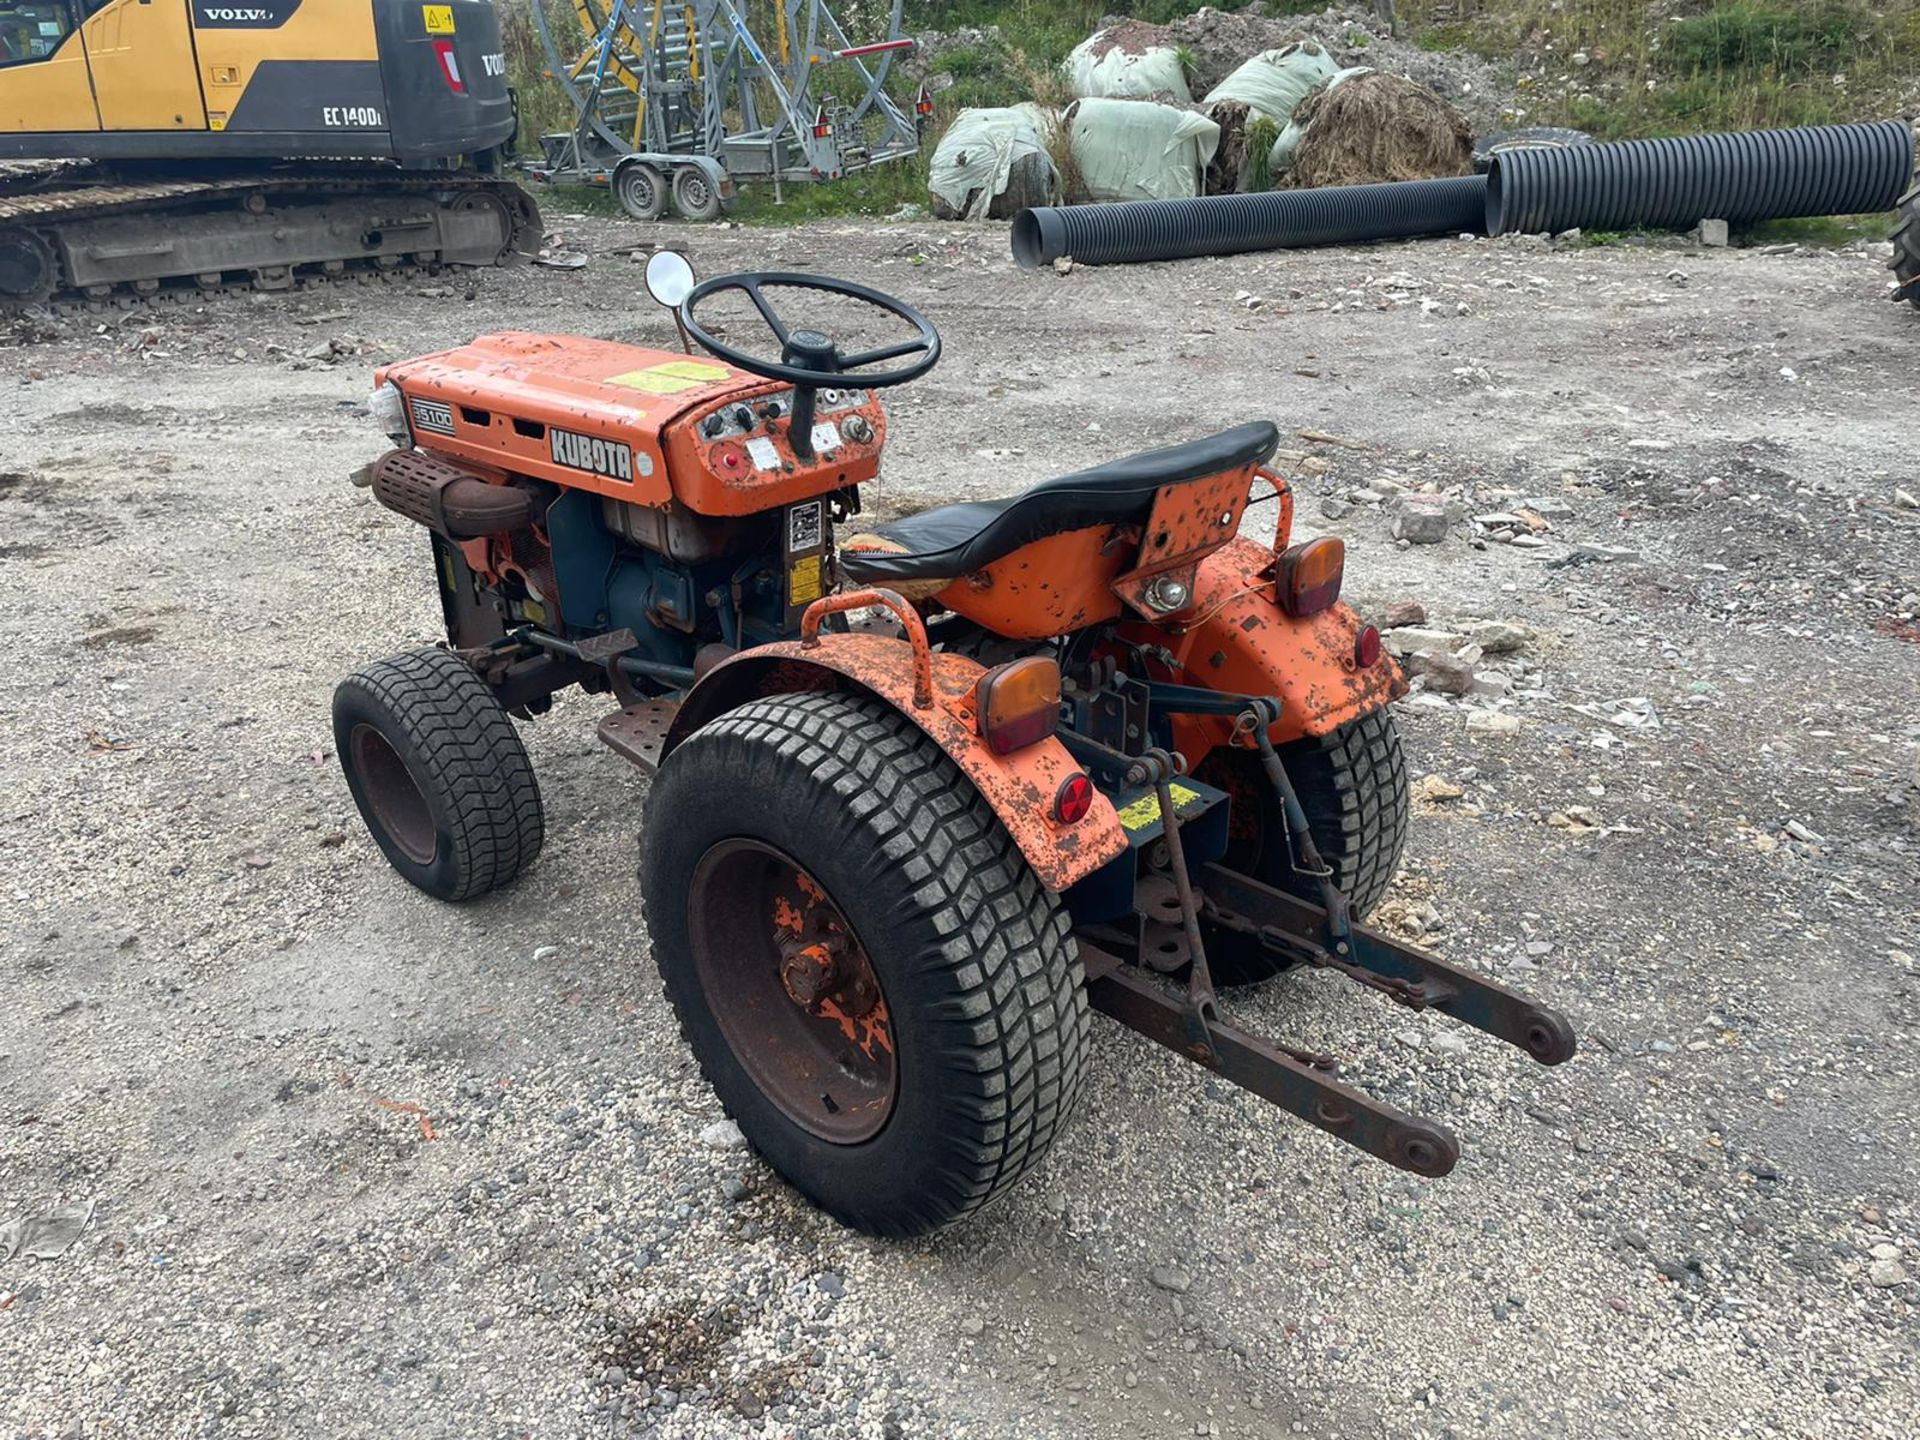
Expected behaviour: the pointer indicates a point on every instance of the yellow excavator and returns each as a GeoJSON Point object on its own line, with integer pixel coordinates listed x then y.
{"type": "Point", "coordinates": [150, 146]}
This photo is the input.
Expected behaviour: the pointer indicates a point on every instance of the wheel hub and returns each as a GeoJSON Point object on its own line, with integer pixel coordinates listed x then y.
{"type": "Point", "coordinates": [793, 991]}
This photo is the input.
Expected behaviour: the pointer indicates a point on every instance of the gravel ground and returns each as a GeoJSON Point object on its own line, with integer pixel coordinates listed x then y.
{"type": "Point", "coordinates": [370, 1166]}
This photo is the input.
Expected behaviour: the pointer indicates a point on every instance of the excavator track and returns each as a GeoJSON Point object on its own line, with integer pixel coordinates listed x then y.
{"type": "Point", "coordinates": [87, 237]}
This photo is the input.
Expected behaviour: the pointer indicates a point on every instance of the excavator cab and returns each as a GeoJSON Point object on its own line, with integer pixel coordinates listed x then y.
{"type": "Point", "coordinates": [176, 79]}
{"type": "Point", "coordinates": [159, 92]}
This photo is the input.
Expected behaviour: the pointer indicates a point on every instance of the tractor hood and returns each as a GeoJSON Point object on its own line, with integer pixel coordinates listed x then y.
{"type": "Point", "coordinates": [581, 412]}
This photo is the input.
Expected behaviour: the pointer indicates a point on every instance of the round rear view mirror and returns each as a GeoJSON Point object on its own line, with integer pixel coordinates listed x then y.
{"type": "Point", "coordinates": [669, 278]}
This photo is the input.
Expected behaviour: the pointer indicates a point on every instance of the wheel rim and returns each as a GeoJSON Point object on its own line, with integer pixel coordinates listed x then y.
{"type": "Point", "coordinates": [394, 796]}
{"type": "Point", "coordinates": [793, 991]}
{"type": "Point", "coordinates": [694, 193]}
{"type": "Point", "coordinates": [638, 191]}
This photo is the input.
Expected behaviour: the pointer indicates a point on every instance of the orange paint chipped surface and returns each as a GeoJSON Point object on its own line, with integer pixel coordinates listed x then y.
{"type": "Point", "coordinates": [871, 1033]}
{"type": "Point", "coordinates": [1020, 787]}
{"type": "Point", "coordinates": [1241, 641]}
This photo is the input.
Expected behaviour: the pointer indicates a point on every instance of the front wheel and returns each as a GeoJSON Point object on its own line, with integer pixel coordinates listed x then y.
{"type": "Point", "coordinates": [880, 991]}
{"type": "Point", "coordinates": [1353, 786]}
{"type": "Point", "coordinates": [439, 773]}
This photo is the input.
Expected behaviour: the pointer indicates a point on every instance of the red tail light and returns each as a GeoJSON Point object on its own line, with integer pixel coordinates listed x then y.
{"type": "Point", "coordinates": [1073, 799]}
{"type": "Point", "coordinates": [1018, 704]}
{"type": "Point", "coordinates": [1366, 648]}
{"type": "Point", "coordinates": [923, 104]}
{"type": "Point", "coordinates": [822, 127]}
{"type": "Point", "coordinates": [1310, 575]}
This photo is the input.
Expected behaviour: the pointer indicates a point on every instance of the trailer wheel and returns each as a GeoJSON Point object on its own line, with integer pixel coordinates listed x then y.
{"type": "Point", "coordinates": [641, 190]}
{"type": "Point", "coordinates": [879, 989]}
{"type": "Point", "coordinates": [1353, 786]}
{"type": "Point", "coordinates": [440, 775]}
{"type": "Point", "coordinates": [694, 195]}
{"type": "Point", "coordinates": [1906, 249]}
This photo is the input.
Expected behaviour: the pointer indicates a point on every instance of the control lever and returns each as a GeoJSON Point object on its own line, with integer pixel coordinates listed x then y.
{"type": "Point", "coordinates": [800, 427]}
{"type": "Point", "coordinates": [809, 350]}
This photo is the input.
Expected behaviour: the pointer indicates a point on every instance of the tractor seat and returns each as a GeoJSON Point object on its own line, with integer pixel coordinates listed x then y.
{"type": "Point", "coordinates": [953, 540]}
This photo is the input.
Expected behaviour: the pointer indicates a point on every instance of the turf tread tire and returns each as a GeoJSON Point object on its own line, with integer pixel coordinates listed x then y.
{"type": "Point", "coordinates": [1352, 784]}
{"type": "Point", "coordinates": [986, 983]}
{"type": "Point", "coordinates": [462, 750]}
{"type": "Point", "coordinates": [1906, 246]}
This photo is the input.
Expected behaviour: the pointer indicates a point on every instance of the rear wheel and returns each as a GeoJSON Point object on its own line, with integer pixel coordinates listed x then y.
{"type": "Point", "coordinates": [694, 195]}
{"type": "Point", "coordinates": [439, 774]}
{"type": "Point", "coordinates": [641, 190]}
{"type": "Point", "coordinates": [880, 991]}
{"type": "Point", "coordinates": [1906, 248]}
{"type": "Point", "coordinates": [1353, 786]}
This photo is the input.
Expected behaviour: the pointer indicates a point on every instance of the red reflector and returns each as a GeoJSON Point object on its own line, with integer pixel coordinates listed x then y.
{"type": "Point", "coordinates": [1366, 647]}
{"type": "Point", "coordinates": [1073, 799]}
{"type": "Point", "coordinates": [449, 66]}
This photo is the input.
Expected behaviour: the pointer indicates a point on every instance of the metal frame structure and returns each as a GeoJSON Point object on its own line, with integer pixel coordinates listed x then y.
{"type": "Point", "coordinates": [673, 83]}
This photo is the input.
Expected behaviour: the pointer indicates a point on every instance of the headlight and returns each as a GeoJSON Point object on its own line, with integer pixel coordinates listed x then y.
{"type": "Point", "coordinates": [389, 409]}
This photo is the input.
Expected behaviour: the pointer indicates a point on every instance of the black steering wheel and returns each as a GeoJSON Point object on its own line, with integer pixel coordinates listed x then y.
{"type": "Point", "coordinates": [809, 359]}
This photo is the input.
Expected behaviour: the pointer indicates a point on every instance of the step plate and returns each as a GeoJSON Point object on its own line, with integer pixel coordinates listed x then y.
{"type": "Point", "coordinates": [639, 732]}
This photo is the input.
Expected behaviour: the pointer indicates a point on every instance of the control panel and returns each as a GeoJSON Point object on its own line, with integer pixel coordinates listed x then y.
{"type": "Point", "coordinates": [739, 456]}
{"type": "Point", "coordinates": [758, 415]}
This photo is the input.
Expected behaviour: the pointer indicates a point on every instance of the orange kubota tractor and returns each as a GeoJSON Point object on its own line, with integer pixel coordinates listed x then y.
{"type": "Point", "coordinates": [922, 795]}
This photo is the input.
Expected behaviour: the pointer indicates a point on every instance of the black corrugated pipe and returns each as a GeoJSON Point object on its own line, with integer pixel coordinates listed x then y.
{"type": "Point", "coordinates": [1135, 230]}
{"type": "Point", "coordinates": [1675, 184]}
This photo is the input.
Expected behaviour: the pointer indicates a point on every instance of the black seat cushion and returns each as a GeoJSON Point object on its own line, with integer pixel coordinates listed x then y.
{"type": "Point", "coordinates": [954, 540]}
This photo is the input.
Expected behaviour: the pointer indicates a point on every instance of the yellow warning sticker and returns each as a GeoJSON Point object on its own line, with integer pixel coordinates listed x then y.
{"type": "Point", "coordinates": [653, 383]}
{"type": "Point", "coordinates": [439, 19]}
{"type": "Point", "coordinates": [1146, 810]}
{"type": "Point", "coordinates": [671, 377]}
{"type": "Point", "coordinates": [803, 581]}
{"type": "Point", "coordinates": [692, 369]}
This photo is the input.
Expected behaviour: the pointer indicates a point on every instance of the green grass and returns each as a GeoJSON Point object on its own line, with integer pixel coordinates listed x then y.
{"type": "Point", "coordinates": [1722, 65]}
{"type": "Point", "coordinates": [877, 193]}
{"type": "Point", "coordinates": [1825, 231]}
{"type": "Point", "coordinates": [874, 193]}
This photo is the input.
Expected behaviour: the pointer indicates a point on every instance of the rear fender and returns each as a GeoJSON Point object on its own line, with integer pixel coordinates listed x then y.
{"type": "Point", "coordinates": [1020, 787]}
{"type": "Point", "coordinates": [1244, 643]}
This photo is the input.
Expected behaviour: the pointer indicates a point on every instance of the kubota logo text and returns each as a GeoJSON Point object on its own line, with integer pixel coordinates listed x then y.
{"type": "Point", "coordinates": [595, 456]}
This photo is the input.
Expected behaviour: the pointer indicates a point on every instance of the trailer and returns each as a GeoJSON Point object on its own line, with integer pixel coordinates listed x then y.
{"type": "Point", "coordinates": [677, 102]}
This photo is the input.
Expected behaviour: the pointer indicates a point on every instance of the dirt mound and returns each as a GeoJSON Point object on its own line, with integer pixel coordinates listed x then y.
{"type": "Point", "coordinates": [1374, 128]}
{"type": "Point", "coordinates": [1218, 40]}
{"type": "Point", "coordinates": [1130, 37]}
